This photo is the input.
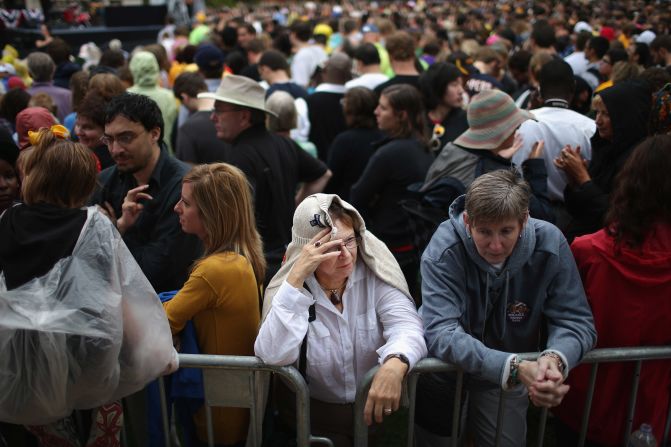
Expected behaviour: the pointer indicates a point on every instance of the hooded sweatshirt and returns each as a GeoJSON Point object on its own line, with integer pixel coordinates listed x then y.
{"type": "Point", "coordinates": [146, 73]}
{"type": "Point", "coordinates": [475, 316]}
{"type": "Point", "coordinates": [628, 106]}
{"type": "Point", "coordinates": [629, 291]}
{"type": "Point", "coordinates": [34, 238]}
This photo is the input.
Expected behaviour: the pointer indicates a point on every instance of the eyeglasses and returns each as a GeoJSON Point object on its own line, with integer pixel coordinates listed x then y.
{"type": "Point", "coordinates": [350, 243]}
{"type": "Point", "coordinates": [123, 139]}
{"type": "Point", "coordinates": [606, 61]}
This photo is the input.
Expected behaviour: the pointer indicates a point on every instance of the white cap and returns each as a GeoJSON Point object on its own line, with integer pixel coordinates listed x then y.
{"type": "Point", "coordinates": [582, 26]}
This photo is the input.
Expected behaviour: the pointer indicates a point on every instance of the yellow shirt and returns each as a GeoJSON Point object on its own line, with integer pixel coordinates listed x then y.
{"type": "Point", "coordinates": [603, 86]}
{"type": "Point", "coordinates": [222, 299]}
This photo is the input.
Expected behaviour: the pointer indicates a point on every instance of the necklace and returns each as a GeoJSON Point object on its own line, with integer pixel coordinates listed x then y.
{"type": "Point", "coordinates": [334, 294]}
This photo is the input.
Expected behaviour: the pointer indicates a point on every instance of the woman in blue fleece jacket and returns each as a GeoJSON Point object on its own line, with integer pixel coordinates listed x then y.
{"type": "Point", "coordinates": [496, 283]}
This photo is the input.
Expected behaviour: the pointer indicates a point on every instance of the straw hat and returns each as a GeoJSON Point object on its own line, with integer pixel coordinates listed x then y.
{"type": "Point", "coordinates": [241, 91]}
{"type": "Point", "coordinates": [492, 117]}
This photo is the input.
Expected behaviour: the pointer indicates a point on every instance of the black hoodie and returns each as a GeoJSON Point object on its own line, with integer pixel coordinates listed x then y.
{"type": "Point", "coordinates": [628, 105]}
{"type": "Point", "coordinates": [33, 238]}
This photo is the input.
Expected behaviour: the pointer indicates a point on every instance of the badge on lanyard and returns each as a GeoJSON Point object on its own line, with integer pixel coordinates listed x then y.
{"type": "Point", "coordinates": [518, 312]}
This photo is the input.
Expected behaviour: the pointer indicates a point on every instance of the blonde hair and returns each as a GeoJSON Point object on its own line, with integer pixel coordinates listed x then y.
{"type": "Point", "coordinates": [58, 171]}
{"type": "Point", "coordinates": [536, 64]}
{"type": "Point", "coordinates": [43, 100]}
{"type": "Point", "coordinates": [223, 198]}
{"type": "Point", "coordinates": [624, 70]}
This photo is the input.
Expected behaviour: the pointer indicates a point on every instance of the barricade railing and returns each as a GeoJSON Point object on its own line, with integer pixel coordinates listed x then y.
{"type": "Point", "coordinates": [244, 377]}
{"type": "Point", "coordinates": [595, 357]}
{"type": "Point", "coordinates": [244, 388]}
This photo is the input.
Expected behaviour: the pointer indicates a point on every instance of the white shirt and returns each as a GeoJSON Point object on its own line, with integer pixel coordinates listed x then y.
{"type": "Point", "coordinates": [578, 62]}
{"type": "Point", "coordinates": [368, 80]}
{"type": "Point", "coordinates": [589, 77]}
{"type": "Point", "coordinates": [377, 320]}
{"type": "Point", "coordinates": [330, 88]}
{"type": "Point", "coordinates": [305, 62]}
{"type": "Point", "coordinates": [557, 127]}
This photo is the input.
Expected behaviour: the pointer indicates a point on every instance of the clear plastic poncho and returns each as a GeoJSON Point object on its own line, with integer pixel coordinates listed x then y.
{"type": "Point", "coordinates": [90, 331]}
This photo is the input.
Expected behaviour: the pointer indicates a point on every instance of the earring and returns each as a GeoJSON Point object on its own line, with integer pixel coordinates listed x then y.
{"type": "Point", "coordinates": [520, 235]}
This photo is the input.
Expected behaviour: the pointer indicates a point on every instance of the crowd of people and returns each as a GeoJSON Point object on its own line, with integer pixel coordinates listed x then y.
{"type": "Point", "coordinates": [337, 187]}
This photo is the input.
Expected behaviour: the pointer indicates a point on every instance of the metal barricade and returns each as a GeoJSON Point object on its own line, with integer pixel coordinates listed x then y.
{"type": "Point", "coordinates": [595, 357]}
{"type": "Point", "coordinates": [243, 378]}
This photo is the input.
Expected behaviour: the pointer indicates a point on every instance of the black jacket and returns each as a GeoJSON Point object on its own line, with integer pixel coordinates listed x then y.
{"type": "Point", "coordinates": [158, 244]}
{"type": "Point", "coordinates": [396, 164]}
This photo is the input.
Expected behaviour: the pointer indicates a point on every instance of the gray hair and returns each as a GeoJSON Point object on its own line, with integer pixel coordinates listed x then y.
{"type": "Point", "coordinates": [41, 66]}
{"type": "Point", "coordinates": [282, 103]}
{"type": "Point", "coordinates": [498, 196]}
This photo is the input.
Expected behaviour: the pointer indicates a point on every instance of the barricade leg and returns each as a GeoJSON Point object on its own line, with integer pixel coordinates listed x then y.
{"type": "Point", "coordinates": [456, 408]}
{"type": "Point", "coordinates": [632, 401]}
{"type": "Point", "coordinates": [542, 423]}
{"type": "Point", "coordinates": [499, 418]}
{"type": "Point", "coordinates": [665, 439]}
{"type": "Point", "coordinates": [588, 405]}
{"type": "Point", "coordinates": [164, 411]}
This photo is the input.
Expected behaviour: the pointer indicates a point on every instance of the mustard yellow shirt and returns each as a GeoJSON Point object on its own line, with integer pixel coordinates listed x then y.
{"type": "Point", "coordinates": [222, 299]}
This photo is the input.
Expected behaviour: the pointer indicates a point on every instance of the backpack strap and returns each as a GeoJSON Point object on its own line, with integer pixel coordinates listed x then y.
{"type": "Point", "coordinates": [303, 358]}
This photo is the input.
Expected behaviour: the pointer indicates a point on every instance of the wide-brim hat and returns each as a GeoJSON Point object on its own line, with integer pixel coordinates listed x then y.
{"type": "Point", "coordinates": [311, 217]}
{"type": "Point", "coordinates": [492, 116]}
{"type": "Point", "coordinates": [241, 91]}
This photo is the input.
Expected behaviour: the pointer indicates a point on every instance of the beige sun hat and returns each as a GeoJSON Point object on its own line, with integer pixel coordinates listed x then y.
{"type": "Point", "coordinates": [311, 217]}
{"type": "Point", "coordinates": [241, 91]}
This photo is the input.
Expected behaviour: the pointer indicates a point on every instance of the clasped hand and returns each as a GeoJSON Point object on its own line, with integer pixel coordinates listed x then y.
{"type": "Point", "coordinates": [544, 382]}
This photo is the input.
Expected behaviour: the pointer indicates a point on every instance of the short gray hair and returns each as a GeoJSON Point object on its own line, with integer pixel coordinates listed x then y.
{"type": "Point", "coordinates": [282, 103]}
{"type": "Point", "coordinates": [41, 66]}
{"type": "Point", "coordinates": [498, 196]}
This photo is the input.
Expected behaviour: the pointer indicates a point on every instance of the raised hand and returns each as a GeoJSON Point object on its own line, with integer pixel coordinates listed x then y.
{"type": "Point", "coordinates": [510, 151]}
{"type": "Point", "coordinates": [572, 163]}
{"type": "Point", "coordinates": [318, 250]}
{"type": "Point", "coordinates": [131, 207]}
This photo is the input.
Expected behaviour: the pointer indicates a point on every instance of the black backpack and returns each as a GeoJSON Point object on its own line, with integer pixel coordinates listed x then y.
{"type": "Point", "coordinates": [429, 206]}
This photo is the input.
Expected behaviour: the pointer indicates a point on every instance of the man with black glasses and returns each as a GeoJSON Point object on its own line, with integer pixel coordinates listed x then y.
{"type": "Point", "coordinates": [140, 191]}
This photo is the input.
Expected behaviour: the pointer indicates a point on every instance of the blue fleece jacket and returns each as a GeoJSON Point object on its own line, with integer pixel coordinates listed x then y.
{"type": "Point", "coordinates": [475, 316]}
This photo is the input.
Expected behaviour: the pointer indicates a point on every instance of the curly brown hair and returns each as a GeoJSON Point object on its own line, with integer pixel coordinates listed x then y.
{"type": "Point", "coordinates": [641, 195]}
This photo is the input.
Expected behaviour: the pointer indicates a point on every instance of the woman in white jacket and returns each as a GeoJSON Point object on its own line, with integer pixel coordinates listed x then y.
{"type": "Point", "coordinates": [363, 312]}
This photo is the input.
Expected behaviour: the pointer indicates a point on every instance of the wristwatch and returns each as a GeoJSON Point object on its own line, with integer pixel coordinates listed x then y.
{"type": "Point", "coordinates": [401, 357]}
{"type": "Point", "coordinates": [513, 376]}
